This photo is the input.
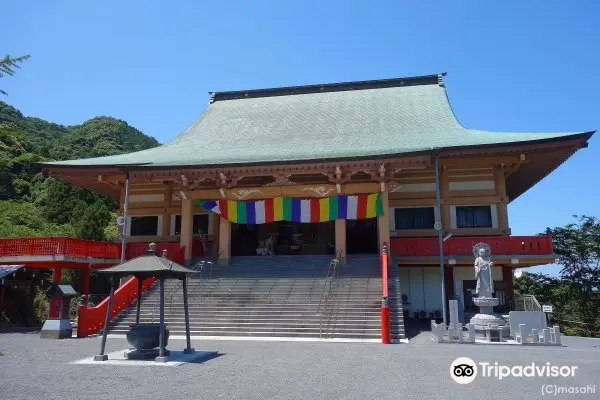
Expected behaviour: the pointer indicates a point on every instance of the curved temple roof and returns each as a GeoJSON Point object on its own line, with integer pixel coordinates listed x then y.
{"type": "Point", "coordinates": [333, 121]}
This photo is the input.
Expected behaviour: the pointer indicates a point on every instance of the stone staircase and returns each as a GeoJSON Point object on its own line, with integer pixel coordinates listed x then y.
{"type": "Point", "coordinates": [277, 296]}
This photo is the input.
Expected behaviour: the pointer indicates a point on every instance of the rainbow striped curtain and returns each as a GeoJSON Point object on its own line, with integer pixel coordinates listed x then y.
{"type": "Point", "coordinates": [295, 209]}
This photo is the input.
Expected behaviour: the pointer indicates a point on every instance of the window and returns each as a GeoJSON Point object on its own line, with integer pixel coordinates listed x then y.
{"type": "Point", "coordinates": [414, 218]}
{"type": "Point", "coordinates": [200, 224]}
{"type": "Point", "coordinates": [144, 226]}
{"type": "Point", "coordinates": [474, 217]}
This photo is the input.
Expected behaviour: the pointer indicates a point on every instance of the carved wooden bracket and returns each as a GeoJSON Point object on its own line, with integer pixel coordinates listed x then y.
{"type": "Point", "coordinates": [321, 191]}
{"type": "Point", "coordinates": [393, 186]}
{"type": "Point", "coordinates": [281, 180]}
{"type": "Point", "coordinates": [181, 194]}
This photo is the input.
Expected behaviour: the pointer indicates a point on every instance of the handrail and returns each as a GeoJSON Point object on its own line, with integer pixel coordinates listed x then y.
{"type": "Point", "coordinates": [530, 303]}
{"type": "Point", "coordinates": [332, 273]}
{"type": "Point", "coordinates": [199, 266]}
{"type": "Point", "coordinates": [91, 319]}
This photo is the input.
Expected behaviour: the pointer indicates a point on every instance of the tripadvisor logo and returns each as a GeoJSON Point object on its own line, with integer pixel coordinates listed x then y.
{"type": "Point", "coordinates": [464, 370]}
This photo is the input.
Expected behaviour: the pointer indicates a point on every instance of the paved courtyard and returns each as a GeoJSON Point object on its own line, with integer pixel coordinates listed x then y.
{"type": "Point", "coordinates": [34, 368]}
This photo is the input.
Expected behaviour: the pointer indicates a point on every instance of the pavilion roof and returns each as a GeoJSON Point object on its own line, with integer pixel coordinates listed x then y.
{"type": "Point", "coordinates": [320, 122]}
{"type": "Point", "coordinates": [149, 265]}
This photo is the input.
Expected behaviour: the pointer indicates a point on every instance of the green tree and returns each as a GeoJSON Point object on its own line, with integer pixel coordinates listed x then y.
{"type": "Point", "coordinates": [9, 65]}
{"type": "Point", "coordinates": [22, 219]}
{"type": "Point", "coordinates": [89, 222]}
{"type": "Point", "coordinates": [577, 246]}
{"type": "Point", "coordinates": [53, 205]}
{"type": "Point", "coordinates": [575, 293]}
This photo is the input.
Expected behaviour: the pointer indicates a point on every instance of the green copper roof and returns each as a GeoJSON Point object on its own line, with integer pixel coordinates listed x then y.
{"type": "Point", "coordinates": [356, 119]}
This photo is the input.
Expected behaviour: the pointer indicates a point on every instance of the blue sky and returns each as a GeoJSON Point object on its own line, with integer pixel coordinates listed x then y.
{"type": "Point", "coordinates": [512, 66]}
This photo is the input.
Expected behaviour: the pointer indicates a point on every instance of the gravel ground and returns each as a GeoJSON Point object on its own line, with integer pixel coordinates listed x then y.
{"type": "Point", "coordinates": [34, 368]}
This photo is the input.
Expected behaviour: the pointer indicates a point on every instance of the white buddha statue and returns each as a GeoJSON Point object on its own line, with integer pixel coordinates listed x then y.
{"type": "Point", "coordinates": [483, 274]}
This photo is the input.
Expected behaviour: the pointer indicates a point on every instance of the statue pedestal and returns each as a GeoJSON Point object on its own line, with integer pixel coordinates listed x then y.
{"type": "Point", "coordinates": [487, 318]}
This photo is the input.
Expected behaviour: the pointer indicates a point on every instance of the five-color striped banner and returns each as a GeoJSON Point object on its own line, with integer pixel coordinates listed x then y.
{"type": "Point", "coordinates": [295, 209]}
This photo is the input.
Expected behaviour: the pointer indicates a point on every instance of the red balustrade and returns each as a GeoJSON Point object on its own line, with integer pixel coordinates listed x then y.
{"type": "Point", "coordinates": [138, 249]}
{"type": "Point", "coordinates": [49, 246]}
{"type": "Point", "coordinates": [91, 319]}
{"type": "Point", "coordinates": [463, 246]}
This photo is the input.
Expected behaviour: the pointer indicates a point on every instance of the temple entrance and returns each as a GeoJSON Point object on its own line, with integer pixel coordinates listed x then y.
{"type": "Point", "coordinates": [283, 237]}
{"type": "Point", "coordinates": [361, 236]}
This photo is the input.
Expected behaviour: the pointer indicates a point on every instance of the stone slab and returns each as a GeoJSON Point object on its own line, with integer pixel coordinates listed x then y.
{"type": "Point", "coordinates": [531, 319]}
{"type": "Point", "coordinates": [176, 358]}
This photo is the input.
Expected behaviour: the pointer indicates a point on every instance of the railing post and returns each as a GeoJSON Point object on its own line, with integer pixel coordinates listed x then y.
{"type": "Point", "coordinates": [385, 307]}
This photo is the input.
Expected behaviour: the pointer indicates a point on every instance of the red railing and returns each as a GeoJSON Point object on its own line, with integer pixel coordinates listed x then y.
{"type": "Point", "coordinates": [46, 246]}
{"type": "Point", "coordinates": [463, 246]}
{"type": "Point", "coordinates": [91, 319]}
{"type": "Point", "coordinates": [138, 249]}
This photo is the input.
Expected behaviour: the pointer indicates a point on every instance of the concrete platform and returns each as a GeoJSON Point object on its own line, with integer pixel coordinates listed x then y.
{"type": "Point", "coordinates": [176, 358]}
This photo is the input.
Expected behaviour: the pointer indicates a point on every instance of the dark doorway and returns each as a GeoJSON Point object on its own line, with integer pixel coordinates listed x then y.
{"type": "Point", "coordinates": [283, 238]}
{"type": "Point", "coordinates": [244, 239]}
{"type": "Point", "coordinates": [361, 236]}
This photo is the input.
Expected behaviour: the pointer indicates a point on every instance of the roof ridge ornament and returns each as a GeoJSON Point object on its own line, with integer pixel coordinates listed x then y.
{"type": "Point", "coordinates": [441, 79]}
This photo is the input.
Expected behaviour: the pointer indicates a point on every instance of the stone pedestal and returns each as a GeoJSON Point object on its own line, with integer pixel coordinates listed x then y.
{"type": "Point", "coordinates": [56, 329]}
{"type": "Point", "coordinates": [487, 318]}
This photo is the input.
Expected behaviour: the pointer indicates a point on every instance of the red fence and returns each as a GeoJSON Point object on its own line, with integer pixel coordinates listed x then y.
{"type": "Point", "coordinates": [49, 246]}
{"type": "Point", "coordinates": [463, 246]}
{"type": "Point", "coordinates": [91, 319]}
{"type": "Point", "coordinates": [173, 250]}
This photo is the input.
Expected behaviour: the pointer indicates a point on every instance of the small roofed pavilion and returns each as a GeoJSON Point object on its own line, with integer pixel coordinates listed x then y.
{"type": "Point", "coordinates": [150, 265]}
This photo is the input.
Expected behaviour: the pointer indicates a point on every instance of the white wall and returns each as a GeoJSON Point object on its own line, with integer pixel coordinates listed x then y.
{"type": "Point", "coordinates": [423, 287]}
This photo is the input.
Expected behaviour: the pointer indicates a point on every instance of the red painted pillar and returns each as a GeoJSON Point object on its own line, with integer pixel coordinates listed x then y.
{"type": "Point", "coordinates": [385, 322]}
{"type": "Point", "coordinates": [57, 275]}
{"type": "Point", "coordinates": [385, 307]}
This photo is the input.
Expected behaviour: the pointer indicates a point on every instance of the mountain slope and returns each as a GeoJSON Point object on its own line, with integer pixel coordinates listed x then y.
{"type": "Point", "coordinates": [56, 206]}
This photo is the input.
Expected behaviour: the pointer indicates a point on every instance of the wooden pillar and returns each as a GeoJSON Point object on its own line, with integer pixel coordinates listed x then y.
{"type": "Point", "coordinates": [383, 221]}
{"type": "Point", "coordinates": [166, 227]}
{"type": "Point", "coordinates": [186, 227]}
{"type": "Point", "coordinates": [216, 222]}
{"type": "Point", "coordinates": [166, 231]}
{"type": "Point", "coordinates": [340, 240]}
{"type": "Point", "coordinates": [509, 287]}
{"type": "Point", "coordinates": [224, 241]}
{"type": "Point", "coordinates": [500, 186]}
